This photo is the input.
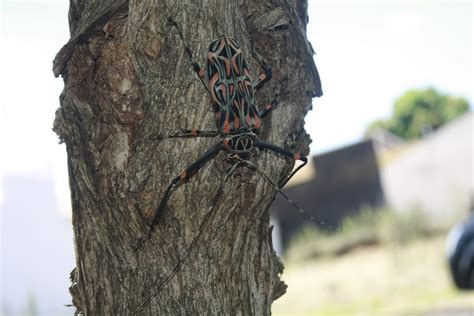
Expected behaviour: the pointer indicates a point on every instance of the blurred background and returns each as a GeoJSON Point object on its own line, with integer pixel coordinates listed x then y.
{"type": "Point", "coordinates": [391, 165]}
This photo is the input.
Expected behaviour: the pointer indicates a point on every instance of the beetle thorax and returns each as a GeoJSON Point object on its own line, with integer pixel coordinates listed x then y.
{"type": "Point", "coordinates": [239, 144]}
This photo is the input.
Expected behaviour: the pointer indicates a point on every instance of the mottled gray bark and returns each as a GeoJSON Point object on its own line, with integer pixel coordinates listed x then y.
{"type": "Point", "coordinates": [127, 76]}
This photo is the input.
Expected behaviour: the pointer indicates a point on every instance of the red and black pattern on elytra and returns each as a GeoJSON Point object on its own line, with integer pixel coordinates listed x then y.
{"type": "Point", "coordinates": [230, 86]}
{"type": "Point", "coordinates": [238, 120]}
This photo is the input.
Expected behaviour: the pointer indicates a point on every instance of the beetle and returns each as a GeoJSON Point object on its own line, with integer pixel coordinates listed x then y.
{"type": "Point", "coordinates": [238, 121]}
{"type": "Point", "coordinates": [226, 78]}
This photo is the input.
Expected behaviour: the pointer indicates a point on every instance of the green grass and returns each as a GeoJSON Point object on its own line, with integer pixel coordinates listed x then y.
{"type": "Point", "coordinates": [369, 227]}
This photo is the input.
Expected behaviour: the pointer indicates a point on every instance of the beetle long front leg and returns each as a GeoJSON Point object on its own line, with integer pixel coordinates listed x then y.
{"type": "Point", "coordinates": [267, 108]}
{"type": "Point", "coordinates": [267, 70]}
{"type": "Point", "coordinates": [263, 77]}
{"type": "Point", "coordinates": [295, 156]}
{"type": "Point", "coordinates": [196, 67]}
{"type": "Point", "coordinates": [183, 177]}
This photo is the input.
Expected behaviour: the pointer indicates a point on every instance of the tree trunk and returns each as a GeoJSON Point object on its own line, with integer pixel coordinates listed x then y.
{"type": "Point", "coordinates": [127, 76]}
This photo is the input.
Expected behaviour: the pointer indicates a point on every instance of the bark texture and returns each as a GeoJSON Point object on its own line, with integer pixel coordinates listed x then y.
{"type": "Point", "coordinates": [126, 76]}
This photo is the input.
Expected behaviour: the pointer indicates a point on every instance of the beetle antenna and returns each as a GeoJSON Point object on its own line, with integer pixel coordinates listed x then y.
{"type": "Point", "coordinates": [190, 248]}
{"type": "Point", "coordinates": [293, 203]}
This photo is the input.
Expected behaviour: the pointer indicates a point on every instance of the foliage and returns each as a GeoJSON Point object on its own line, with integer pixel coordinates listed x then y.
{"type": "Point", "coordinates": [368, 227]}
{"type": "Point", "coordinates": [419, 111]}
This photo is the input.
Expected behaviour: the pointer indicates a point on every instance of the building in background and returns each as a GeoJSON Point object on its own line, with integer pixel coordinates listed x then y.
{"type": "Point", "coordinates": [334, 185]}
{"type": "Point", "coordinates": [434, 174]}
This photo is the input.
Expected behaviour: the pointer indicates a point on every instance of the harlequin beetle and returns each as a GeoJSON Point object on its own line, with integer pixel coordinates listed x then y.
{"type": "Point", "coordinates": [238, 120]}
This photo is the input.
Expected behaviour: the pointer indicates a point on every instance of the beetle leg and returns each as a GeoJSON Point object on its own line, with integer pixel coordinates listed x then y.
{"type": "Point", "coordinates": [197, 69]}
{"type": "Point", "coordinates": [267, 108]}
{"type": "Point", "coordinates": [293, 203]}
{"type": "Point", "coordinates": [267, 72]}
{"type": "Point", "coordinates": [185, 133]}
{"type": "Point", "coordinates": [183, 177]}
{"type": "Point", "coordinates": [295, 156]}
{"type": "Point", "coordinates": [263, 77]}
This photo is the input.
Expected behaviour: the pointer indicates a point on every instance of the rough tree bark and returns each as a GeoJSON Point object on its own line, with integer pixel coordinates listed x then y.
{"type": "Point", "coordinates": [126, 76]}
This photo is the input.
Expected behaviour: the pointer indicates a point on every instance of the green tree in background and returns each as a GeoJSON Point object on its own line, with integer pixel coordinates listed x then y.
{"type": "Point", "coordinates": [418, 111]}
